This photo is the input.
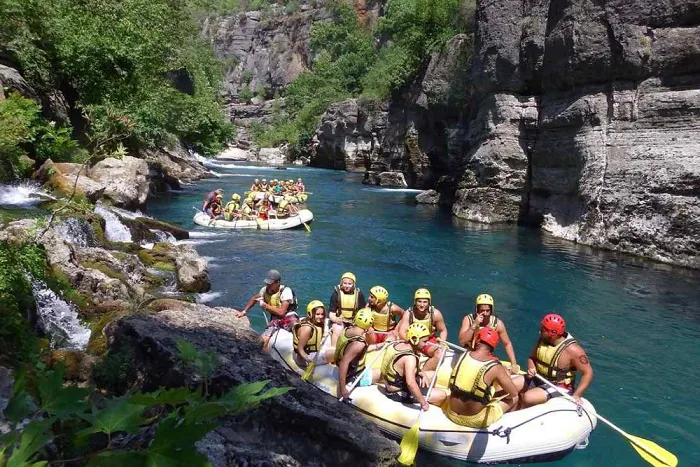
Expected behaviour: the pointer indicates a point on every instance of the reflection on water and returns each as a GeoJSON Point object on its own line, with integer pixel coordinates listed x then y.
{"type": "Point", "coordinates": [622, 309]}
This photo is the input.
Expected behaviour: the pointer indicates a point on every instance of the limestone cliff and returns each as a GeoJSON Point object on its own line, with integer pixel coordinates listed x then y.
{"type": "Point", "coordinates": [585, 119]}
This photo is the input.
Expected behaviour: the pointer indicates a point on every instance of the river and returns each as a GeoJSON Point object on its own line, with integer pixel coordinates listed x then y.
{"type": "Point", "coordinates": [637, 320]}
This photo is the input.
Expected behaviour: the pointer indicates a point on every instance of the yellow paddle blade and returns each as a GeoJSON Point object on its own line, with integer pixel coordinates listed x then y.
{"type": "Point", "coordinates": [309, 370]}
{"type": "Point", "coordinates": [652, 452]}
{"type": "Point", "coordinates": [409, 445]}
{"type": "Point", "coordinates": [306, 226]}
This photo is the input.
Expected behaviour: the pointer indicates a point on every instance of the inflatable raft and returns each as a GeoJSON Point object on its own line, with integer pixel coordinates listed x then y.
{"type": "Point", "coordinates": [304, 216]}
{"type": "Point", "coordinates": [542, 433]}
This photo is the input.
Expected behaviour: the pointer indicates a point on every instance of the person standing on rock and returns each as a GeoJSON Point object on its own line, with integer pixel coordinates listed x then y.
{"type": "Point", "coordinates": [209, 199]}
{"type": "Point", "coordinates": [484, 317]}
{"type": "Point", "coordinates": [346, 299]}
{"type": "Point", "coordinates": [425, 313]}
{"type": "Point", "coordinates": [278, 300]}
{"type": "Point", "coordinates": [556, 357]}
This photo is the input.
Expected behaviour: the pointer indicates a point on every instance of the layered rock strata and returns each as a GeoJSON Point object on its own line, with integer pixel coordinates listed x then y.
{"type": "Point", "coordinates": [585, 121]}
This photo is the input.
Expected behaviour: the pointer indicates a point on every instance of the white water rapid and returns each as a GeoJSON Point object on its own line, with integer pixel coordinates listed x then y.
{"type": "Point", "coordinates": [115, 231]}
{"type": "Point", "coordinates": [58, 319]}
{"type": "Point", "coordinates": [23, 195]}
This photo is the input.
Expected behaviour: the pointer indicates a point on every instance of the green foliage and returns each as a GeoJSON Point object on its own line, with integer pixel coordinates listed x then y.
{"type": "Point", "coordinates": [115, 372]}
{"type": "Point", "coordinates": [245, 94]}
{"type": "Point", "coordinates": [135, 63]}
{"type": "Point", "coordinates": [156, 428]}
{"type": "Point", "coordinates": [17, 341]}
{"type": "Point", "coordinates": [347, 62]}
{"type": "Point", "coordinates": [24, 133]}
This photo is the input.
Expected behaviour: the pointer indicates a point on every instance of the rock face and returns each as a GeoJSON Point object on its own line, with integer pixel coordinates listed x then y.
{"type": "Point", "coordinates": [428, 197]}
{"type": "Point", "coordinates": [302, 427]}
{"type": "Point", "coordinates": [192, 275]}
{"type": "Point", "coordinates": [125, 180]}
{"type": "Point", "coordinates": [417, 134]}
{"type": "Point", "coordinates": [585, 121]}
{"type": "Point", "coordinates": [169, 168]}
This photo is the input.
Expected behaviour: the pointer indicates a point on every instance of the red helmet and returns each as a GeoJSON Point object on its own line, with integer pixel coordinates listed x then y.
{"type": "Point", "coordinates": [554, 324]}
{"type": "Point", "coordinates": [489, 336]}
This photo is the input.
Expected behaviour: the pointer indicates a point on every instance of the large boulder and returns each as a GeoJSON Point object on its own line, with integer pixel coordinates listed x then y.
{"type": "Point", "coordinates": [191, 269]}
{"type": "Point", "coordinates": [428, 197]}
{"type": "Point", "coordinates": [126, 180]}
{"type": "Point", "coordinates": [302, 427]}
{"type": "Point", "coordinates": [271, 156]}
{"type": "Point", "coordinates": [171, 167]}
{"type": "Point", "coordinates": [61, 179]}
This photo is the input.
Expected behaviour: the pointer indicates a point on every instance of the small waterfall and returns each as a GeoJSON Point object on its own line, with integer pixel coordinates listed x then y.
{"type": "Point", "coordinates": [115, 231]}
{"type": "Point", "coordinates": [77, 232]}
{"type": "Point", "coordinates": [163, 236]}
{"type": "Point", "coordinates": [23, 195]}
{"type": "Point", "coordinates": [58, 319]}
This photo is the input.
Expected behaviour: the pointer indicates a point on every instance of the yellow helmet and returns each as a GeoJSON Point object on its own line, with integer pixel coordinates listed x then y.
{"type": "Point", "coordinates": [313, 304]}
{"type": "Point", "coordinates": [235, 196]}
{"type": "Point", "coordinates": [364, 318]}
{"type": "Point", "coordinates": [416, 332]}
{"type": "Point", "coordinates": [348, 275]}
{"type": "Point", "coordinates": [380, 293]}
{"type": "Point", "coordinates": [422, 293]}
{"type": "Point", "coordinates": [484, 299]}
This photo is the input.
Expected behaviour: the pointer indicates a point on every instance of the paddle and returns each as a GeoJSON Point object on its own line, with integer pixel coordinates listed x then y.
{"type": "Point", "coordinates": [312, 366]}
{"type": "Point", "coordinates": [409, 443]}
{"type": "Point", "coordinates": [367, 367]}
{"type": "Point", "coordinates": [650, 451]}
{"type": "Point", "coordinates": [306, 226]}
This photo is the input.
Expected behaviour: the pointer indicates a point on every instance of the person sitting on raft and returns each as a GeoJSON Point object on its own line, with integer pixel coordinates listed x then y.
{"type": "Point", "coordinates": [255, 186]}
{"type": "Point", "coordinates": [264, 186]}
{"type": "Point", "coordinates": [285, 209]}
{"type": "Point", "coordinates": [385, 315]}
{"type": "Point", "coordinates": [308, 336]}
{"type": "Point", "coordinates": [210, 198]}
{"type": "Point", "coordinates": [300, 187]}
{"type": "Point", "coordinates": [484, 317]}
{"type": "Point", "coordinates": [425, 313]}
{"type": "Point", "coordinates": [474, 401]}
{"type": "Point", "coordinates": [215, 209]}
{"type": "Point", "coordinates": [249, 211]}
{"type": "Point", "coordinates": [400, 369]}
{"type": "Point", "coordinates": [232, 209]}
{"type": "Point", "coordinates": [345, 300]}
{"type": "Point", "coordinates": [350, 354]}
{"type": "Point", "coordinates": [278, 300]}
{"type": "Point", "coordinates": [556, 357]}
{"type": "Point", "coordinates": [265, 207]}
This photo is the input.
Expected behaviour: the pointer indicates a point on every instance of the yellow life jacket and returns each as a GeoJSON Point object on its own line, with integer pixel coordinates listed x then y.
{"type": "Point", "coordinates": [314, 342]}
{"type": "Point", "coordinates": [493, 324]}
{"type": "Point", "coordinates": [467, 379]}
{"type": "Point", "coordinates": [356, 367]}
{"type": "Point", "coordinates": [232, 206]}
{"type": "Point", "coordinates": [547, 357]}
{"type": "Point", "coordinates": [391, 356]}
{"type": "Point", "coordinates": [384, 321]}
{"type": "Point", "coordinates": [427, 321]}
{"type": "Point", "coordinates": [348, 304]}
{"type": "Point", "coordinates": [274, 300]}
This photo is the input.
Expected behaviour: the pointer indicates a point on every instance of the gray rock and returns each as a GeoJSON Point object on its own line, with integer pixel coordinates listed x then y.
{"type": "Point", "coordinates": [6, 384]}
{"type": "Point", "coordinates": [126, 180]}
{"type": "Point", "coordinates": [584, 121]}
{"type": "Point", "coordinates": [169, 168]}
{"type": "Point", "coordinates": [302, 427]}
{"type": "Point", "coordinates": [234, 154]}
{"type": "Point", "coordinates": [192, 275]}
{"type": "Point", "coordinates": [14, 81]}
{"type": "Point", "coordinates": [271, 156]}
{"type": "Point", "coordinates": [392, 180]}
{"type": "Point", "coordinates": [428, 197]}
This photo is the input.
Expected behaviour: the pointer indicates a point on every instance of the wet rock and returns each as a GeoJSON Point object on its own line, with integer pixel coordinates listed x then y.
{"type": "Point", "coordinates": [61, 178]}
{"type": "Point", "coordinates": [428, 197]}
{"type": "Point", "coordinates": [191, 269]}
{"type": "Point", "coordinates": [127, 268]}
{"type": "Point", "coordinates": [234, 154]}
{"type": "Point", "coordinates": [126, 180]}
{"type": "Point", "coordinates": [292, 429]}
{"type": "Point", "coordinates": [385, 179]}
{"type": "Point", "coordinates": [177, 232]}
{"type": "Point", "coordinates": [78, 365]}
{"type": "Point", "coordinates": [171, 167]}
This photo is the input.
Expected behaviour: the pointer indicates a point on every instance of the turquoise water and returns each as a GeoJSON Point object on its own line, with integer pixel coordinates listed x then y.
{"type": "Point", "coordinates": [638, 321]}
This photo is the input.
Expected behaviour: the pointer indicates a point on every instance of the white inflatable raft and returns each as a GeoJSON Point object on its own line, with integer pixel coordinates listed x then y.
{"type": "Point", "coordinates": [303, 216]}
{"type": "Point", "coordinates": [541, 433]}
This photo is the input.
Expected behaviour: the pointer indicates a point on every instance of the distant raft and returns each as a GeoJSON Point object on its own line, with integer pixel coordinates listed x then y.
{"type": "Point", "coordinates": [541, 433]}
{"type": "Point", "coordinates": [304, 216]}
